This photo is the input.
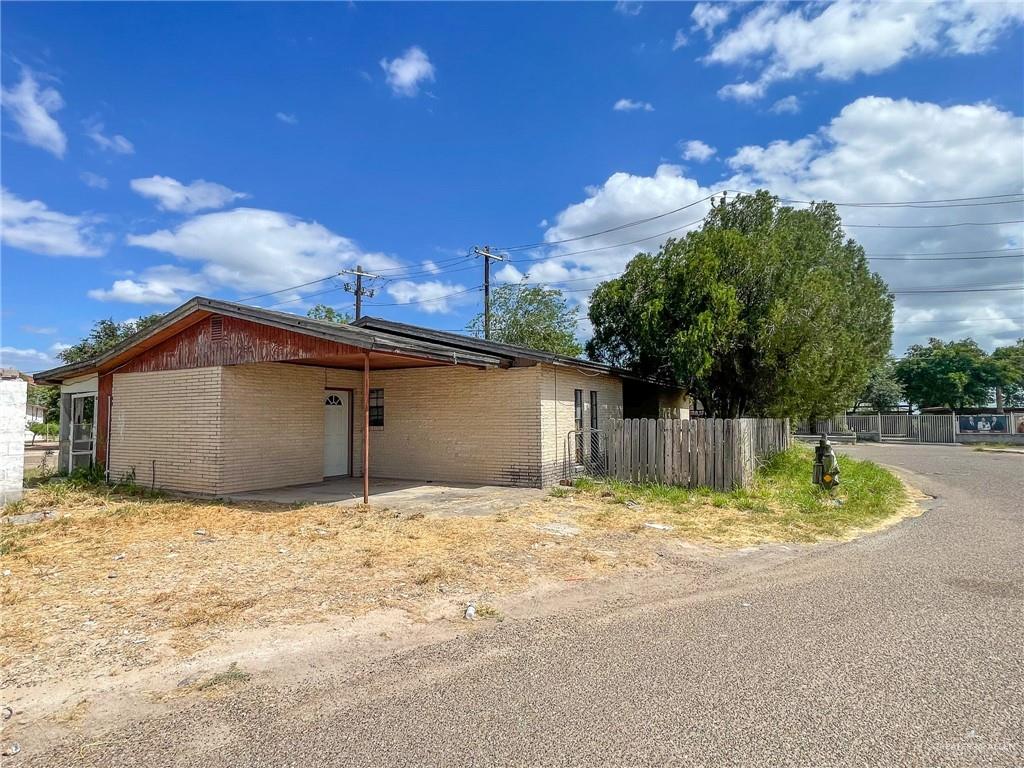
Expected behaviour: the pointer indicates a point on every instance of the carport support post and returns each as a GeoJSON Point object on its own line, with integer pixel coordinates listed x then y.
{"type": "Point", "coordinates": [366, 428]}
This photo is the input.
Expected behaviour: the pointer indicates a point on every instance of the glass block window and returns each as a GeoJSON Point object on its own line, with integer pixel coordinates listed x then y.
{"type": "Point", "coordinates": [376, 407]}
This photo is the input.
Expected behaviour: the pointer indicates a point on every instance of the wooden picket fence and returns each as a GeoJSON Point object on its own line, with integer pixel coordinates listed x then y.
{"type": "Point", "coordinates": [722, 454]}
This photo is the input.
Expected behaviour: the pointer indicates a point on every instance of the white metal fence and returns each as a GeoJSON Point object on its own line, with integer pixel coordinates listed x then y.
{"type": "Point", "coordinates": [923, 428]}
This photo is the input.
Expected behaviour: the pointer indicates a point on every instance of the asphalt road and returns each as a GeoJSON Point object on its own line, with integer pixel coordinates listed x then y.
{"type": "Point", "coordinates": [903, 648]}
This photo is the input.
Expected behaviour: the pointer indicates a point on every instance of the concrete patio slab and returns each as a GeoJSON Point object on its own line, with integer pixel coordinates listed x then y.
{"type": "Point", "coordinates": [442, 499]}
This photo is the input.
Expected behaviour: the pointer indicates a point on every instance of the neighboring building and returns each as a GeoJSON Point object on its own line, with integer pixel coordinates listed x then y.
{"type": "Point", "coordinates": [13, 395]}
{"type": "Point", "coordinates": [221, 397]}
{"type": "Point", "coordinates": [34, 414]}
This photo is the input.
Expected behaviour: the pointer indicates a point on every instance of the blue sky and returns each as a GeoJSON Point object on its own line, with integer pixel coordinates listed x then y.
{"type": "Point", "coordinates": [154, 151]}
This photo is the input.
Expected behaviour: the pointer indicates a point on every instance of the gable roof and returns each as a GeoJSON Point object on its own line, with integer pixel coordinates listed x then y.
{"type": "Point", "coordinates": [196, 309]}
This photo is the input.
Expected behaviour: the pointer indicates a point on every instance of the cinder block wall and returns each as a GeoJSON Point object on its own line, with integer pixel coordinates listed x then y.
{"type": "Point", "coordinates": [12, 438]}
{"type": "Point", "coordinates": [167, 427]}
{"type": "Point", "coordinates": [558, 385]}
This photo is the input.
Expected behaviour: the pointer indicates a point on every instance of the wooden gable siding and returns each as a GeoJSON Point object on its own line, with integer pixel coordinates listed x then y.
{"type": "Point", "coordinates": [239, 341]}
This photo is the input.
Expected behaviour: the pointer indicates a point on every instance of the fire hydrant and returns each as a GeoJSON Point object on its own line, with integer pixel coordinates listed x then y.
{"type": "Point", "coordinates": [826, 466]}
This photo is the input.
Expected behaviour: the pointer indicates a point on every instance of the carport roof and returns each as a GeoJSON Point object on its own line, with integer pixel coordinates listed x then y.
{"type": "Point", "coordinates": [367, 338]}
{"type": "Point", "coordinates": [511, 353]}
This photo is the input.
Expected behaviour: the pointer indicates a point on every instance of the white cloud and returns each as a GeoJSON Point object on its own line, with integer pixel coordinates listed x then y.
{"type": "Point", "coordinates": [623, 198]}
{"type": "Point", "coordinates": [253, 251]}
{"type": "Point", "coordinates": [430, 267]}
{"type": "Point", "coordinates": [844, 39]}
{"type": "Point", "coordinates": [679, 41]}
{"type": "Point", "coordinates": [287, 117]}
{"type": "Point", "coordinates": [431, 296]}
{"type": "Point", "coordinates": [405, 73]}
{"type": "Point", "coordinates": [30, 360]}
{"type": "Point", "coordinates": [117, 143]}
{"type": "Point", "coordinates": [628, 105]}
{"type": "Point", "coordinates": [875, 149]}
{"type": "Point", "coordinates": [31, 226]}
{"type": "Point", "coordinates": [31, 109]}
{"type": "Point", "coordinates": [94, 180]}
{"type": "Point", "coordinates": [745, 91]}
{"type": "Point", "coordinates": [43, 330]}
{"type": "Point", "coordinates": [171, 195]}
{"type": "Point", "coordinates": [165, 284]}
{"type": "Point", "coordinates": [880, 149]}
{"type": "Point", "coordinates": [697, 150]}
{"type": "Point", "coordinates": [628, 7]}
{"type": "Point", "coordinates": [708, 16]}
{"type": "Point", "coordinates": [788, 105]}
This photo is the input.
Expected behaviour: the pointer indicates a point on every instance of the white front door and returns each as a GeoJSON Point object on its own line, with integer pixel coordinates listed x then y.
{"type": "Point", "coordinates": [337, 426]}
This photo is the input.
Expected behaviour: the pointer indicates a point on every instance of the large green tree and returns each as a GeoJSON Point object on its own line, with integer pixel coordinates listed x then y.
{"type": "Point", "coordinates": [883, 392]}
{"type": "Point", "coordinates": [948, 374]}
{"type": "Point", "coordinates": [767, 310]}
{"type": "Point", "coordinates": [532, 316]}
{"type": "Point", "coordinates": [329, 314]}
{"type": "Point", "coordinates": [104, 335]}
{"type": "Point", "coordinates": [1010, 360]}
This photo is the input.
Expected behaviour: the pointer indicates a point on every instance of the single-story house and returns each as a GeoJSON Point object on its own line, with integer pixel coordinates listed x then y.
{"type": "Point", "coordinates": [220, 397]}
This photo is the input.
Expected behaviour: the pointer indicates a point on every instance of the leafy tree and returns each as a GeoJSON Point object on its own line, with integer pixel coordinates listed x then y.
{"type": "Point", "coordinates": [953, 374]}
{"type": "Point", "coordinates": [767, 310]}
{"type": "Point", "coordinates": [106, 334]}
{"type": "Point", "coordinates": [1011, 363]}
{"type": "Point", "coordinates": [49, 429]}
{"type": "Point", "coordinates": [883, 391]}
{"type": "Point", "coordinates": [329, 314]}
{"type": "Point", "coordinates": [532, 316]}
{"type": "Point", "coordinates": [48, 397]}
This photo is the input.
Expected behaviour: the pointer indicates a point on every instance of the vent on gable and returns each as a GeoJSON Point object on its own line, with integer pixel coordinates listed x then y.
{"type": "Point", "coordinates": [216, 328]}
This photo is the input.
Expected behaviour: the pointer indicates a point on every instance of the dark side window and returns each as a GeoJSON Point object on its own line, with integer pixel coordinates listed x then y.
{"type": "Point", "coordinates": [376, 407]}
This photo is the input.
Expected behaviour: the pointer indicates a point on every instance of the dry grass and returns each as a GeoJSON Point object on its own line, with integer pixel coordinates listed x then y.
{"type": "Point", "coordinates": [116, 580]}
{"type": "Point", "coordinates": [119, 580]}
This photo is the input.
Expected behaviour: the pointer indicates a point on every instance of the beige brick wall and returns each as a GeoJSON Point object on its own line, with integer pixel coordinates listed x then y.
{"type": "Point", "coordinates": [458, 425]}
{"type": "Point", "coordinates": [273, 416]}
{"type": "Point", "coordinates": [170, 420]}
{"type": "Point", "coordinates": [558, 385]}
{"type": "Point", "coordinates": [221, 430]}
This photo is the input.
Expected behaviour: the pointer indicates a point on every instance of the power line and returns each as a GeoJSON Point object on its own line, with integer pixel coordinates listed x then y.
{"type": "Point", "coordinates": [942, 258]}
{"type": "Point", "coordinates": [934, 226]}
{"type": "Point", "coordinates": [944, 203]}
{"type": "Point", "coordinates": [307, 296]}
{"type": "Point", "coordinates": [432, 298]}
{"type": "Point", "coordinates": [290, 288]}
{"type": "Point", "coordinates": [956, 320]}
{"type": "Point", "coordinates": [956, 290]}
{"type": "Point", "coordinates": [606, 231]}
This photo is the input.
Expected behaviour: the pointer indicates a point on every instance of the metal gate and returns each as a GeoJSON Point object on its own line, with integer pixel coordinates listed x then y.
{"type": "Point", "coordinates": [585, 455]}
{"type": "Point", "coordinates": [890, 427]}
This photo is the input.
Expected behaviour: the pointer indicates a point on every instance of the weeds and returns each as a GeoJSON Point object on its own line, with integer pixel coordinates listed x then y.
{"type": "Point", "coordinates": [781, 505]}
{"type": "Point", "coordinates": [233, 674]}
{"type": "Point", "coordinates": [488, 611]}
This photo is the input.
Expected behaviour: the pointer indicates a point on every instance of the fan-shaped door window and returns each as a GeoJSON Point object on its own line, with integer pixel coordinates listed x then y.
{"type": "Point", "coordinates": [337, 433]}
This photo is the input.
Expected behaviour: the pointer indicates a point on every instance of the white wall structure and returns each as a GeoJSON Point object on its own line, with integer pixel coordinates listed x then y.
{"type": "Point", "coordinates": [13, 393]}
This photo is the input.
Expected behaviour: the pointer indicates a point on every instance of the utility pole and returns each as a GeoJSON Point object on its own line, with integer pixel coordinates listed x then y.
{"type": "Point", "coordinates": [485, 252]}
{"type": "Point", "coordinates": [358, 289]}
